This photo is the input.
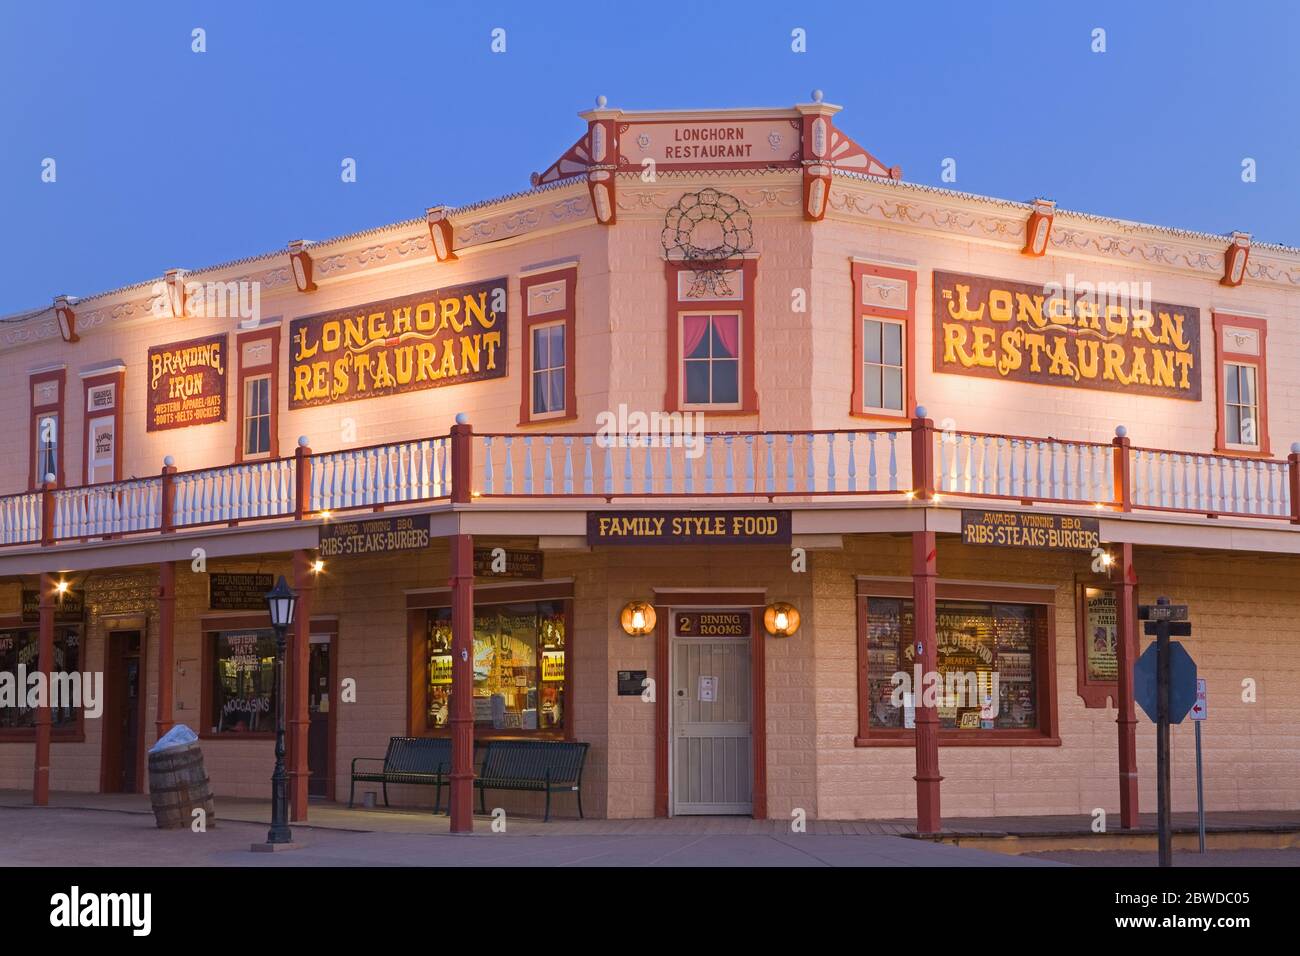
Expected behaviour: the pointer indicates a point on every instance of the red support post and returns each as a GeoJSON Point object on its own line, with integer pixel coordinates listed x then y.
{"type": "Point", "coordinates": [1123, 470]}
{"type": "Point", "coordinates": [167, 522]}
{"type": "Point", "coordinates": [1293, 460]}
{"type": "Point", "coordinates": [1126, 719]}
{"type": "Point", "coordinates": [462, 460]}
{"type": "Point", "coordinates": [922, 456]}
{"type": "Point", "coordinates": [47, 513]}
{"type": "Point", "coordinates": [297, 686]}
{"type": "Point", "coordinates": [301, 478]}
{"type": "Point", "coordinates": [462, 682]}
{"type": "Point", "coordinates": [166, 643]}
{"type": "Point", "coordinates": [45, 663]}
{"type": "Point", "coordinates": [924, 574]}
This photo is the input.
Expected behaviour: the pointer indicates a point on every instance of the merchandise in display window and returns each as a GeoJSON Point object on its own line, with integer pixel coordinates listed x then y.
{"type": "Point", "coordinates": [987, 662]}
{"type": "Point", "coordinates": [243, 689]}
{"type": "Point", "coordinates": [519, 667]}
{"type": "Point", "coordinates": [22, 648]}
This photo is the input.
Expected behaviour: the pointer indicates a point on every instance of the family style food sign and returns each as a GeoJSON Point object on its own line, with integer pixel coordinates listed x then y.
{"type": "Point", "coordinates": [688, 527]}
{"type": "Point", "coordinates": [1090, 336]}
{"type": "Point", "coordinates": [187, 383]}
{"type": "Point", "coordinates": [404, 344]}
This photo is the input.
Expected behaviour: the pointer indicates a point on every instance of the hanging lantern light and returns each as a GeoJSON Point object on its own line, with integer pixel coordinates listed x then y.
{"type": "Point", "coordinates": [781, 619]}
{"type": "Point", "coordinates": [638, 618]}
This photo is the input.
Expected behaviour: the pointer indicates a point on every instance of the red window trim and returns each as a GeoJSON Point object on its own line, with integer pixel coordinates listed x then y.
{"type": "Point", "coordinates": [1222, 356]}
{"type": "Point", "coordinates": [118, 380]}
{"type": "Point", "coordinates": [271, 335]}
{"type": "Point", "coordinates": [418, 607]}
{"type": "Point", "coordinates": [1094, 693]}
{"type": "Point", "coordinates": [907, 316]}
{"type": "Point", "coordinates": [1047, 734]}
{"type": "Point", "coordinates": [58, 406]}
{"type": "Point", "coordinates": [748, 269]}
{"type": "Point", "coordinates": [567, 315]}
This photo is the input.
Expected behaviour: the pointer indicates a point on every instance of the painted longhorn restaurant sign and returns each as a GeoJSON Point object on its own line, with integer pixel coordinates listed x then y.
{"type": "Point", "coordinates": [403, 344]}
{"type": "Point", "coordinates": [1030, 530]}
{"type": "Point", "coordinates": [688, 527]}
{"type": "Point", "coordinates": [187, 383]}
{"type": "Point", "coordinates": [374, 536]}
{"type": "Point", "coordinates": [1082, 335]}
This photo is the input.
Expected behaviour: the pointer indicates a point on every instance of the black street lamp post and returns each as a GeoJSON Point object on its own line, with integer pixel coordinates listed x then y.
{"type": "Point", "coordinates": [281, 602]}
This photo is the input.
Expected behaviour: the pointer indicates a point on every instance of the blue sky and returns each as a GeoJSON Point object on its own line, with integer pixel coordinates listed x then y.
{"type": "Point", "coordinates": [170, 158]}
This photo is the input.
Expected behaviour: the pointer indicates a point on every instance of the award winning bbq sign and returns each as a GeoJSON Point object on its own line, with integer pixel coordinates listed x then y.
{"type": "Point", "coordinates": [404, 344]}
{"type": "Point", "coordinates": [1085, 335]}
{"type": "Point", "coordinates": [187, 384]}
{"type": "Point", "coordinates": [688, 527]}
{"type": "Point", "coordinates": [1030, 530]}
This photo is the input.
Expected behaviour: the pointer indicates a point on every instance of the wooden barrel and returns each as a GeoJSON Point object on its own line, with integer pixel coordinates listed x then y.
{"type": "Point", "coordinates": [178, 785]}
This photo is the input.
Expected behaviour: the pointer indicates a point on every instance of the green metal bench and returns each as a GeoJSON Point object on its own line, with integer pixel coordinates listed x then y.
{"type": "Point", "coordinates": [541, 766]}
{"type": "Point", "coordinates": [413, 760]}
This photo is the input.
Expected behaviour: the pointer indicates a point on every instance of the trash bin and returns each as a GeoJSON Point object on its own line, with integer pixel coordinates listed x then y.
{"type": "Point", "coordinates": [178, 783]}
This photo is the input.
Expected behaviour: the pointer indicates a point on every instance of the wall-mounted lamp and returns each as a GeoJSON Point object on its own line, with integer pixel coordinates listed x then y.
{"type": "Point", "coordinates": [67, 319]}
{"type": "Point", "coordinates": [638, 618]}
{"type": "Point", "coordinates": [1234, 260]}
{"type": "Point", "coordinates": [781, 619]}
{"type": "Point", "coordinates": [1039, 227]}
{"type": "Point", "coordinates": [317, 566]}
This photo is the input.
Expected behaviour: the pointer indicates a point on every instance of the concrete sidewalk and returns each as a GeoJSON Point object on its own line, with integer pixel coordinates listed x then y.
{"type": "Point", "coordinates": [62, 836]}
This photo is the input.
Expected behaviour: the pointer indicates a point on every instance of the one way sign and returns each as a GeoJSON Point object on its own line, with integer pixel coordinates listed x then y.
{"type": "Point", "coordinates": [1200, 709]}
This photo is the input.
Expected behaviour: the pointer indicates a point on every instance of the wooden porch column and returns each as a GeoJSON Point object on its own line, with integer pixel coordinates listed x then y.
{"type": "Point", "coordinates": [166, 645]}
{"type": "Point", "coordinates": [300, 718]}
{"type": "Point", "coordinates": [924, 573]}
{"type": "Point", "coordinates": [462, 683]}
{"type": "Point", "coordinates": [1126, 649]}
{"type": "Point", "coordinates": [45, 663]}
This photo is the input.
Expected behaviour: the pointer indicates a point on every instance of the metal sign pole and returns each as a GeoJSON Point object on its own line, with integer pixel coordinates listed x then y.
{"type": "Point", "coordinates": [1162, 737]}
{"type": "Point", "coordinates": [1200, 791]}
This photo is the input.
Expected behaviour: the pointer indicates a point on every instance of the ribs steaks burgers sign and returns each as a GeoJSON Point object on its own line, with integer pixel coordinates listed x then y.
{"type": "Point", "coordinates": [1088, 335]}
{"type": "Point", "coordinates": [403, 344]}
{"type": "Point", "coordinates": [1030, 530]}
{"type": "Point", "coordinates": [187, 384]}
{"type": "Point", "coordinates": [688, 527]}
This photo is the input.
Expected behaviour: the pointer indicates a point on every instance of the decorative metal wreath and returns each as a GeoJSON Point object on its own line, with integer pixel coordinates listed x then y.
{"type": "Point", "coordinates": [709, 227]}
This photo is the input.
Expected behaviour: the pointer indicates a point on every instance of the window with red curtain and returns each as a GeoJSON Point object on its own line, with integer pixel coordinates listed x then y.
{"type": "Point", "coordinates": [711, 339]}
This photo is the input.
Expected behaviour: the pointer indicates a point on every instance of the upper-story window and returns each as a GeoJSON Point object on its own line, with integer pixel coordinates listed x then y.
{"type": "Point", "coordinates": [259, 363]}
{"type": "Point", "coordinates": [711, 348]}
{"type": "Point", "coordinates": [47, 421]}
{"type": "Point", "coordinates": [102, 388]}
{"type": "Point", "coordinates": [1240, 346]}
{"type": "Point", "coordinates": [550, 310]}
{"type": "Point", "coordinates": [884, 304]}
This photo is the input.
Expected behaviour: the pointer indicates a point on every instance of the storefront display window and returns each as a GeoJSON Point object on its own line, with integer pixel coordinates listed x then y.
{"type": "Point", "coordinates": [987, 663]}
{"type": "Point", "coordinates": [243, 682]}
{"type": "Point", "coordinates": [20, 648]}
{"type": "Point", "coordinates": [519, 667]}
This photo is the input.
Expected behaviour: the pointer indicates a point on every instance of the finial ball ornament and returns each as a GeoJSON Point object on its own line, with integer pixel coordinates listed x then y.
{"type": "Point", "coordinates": [1121, 431]}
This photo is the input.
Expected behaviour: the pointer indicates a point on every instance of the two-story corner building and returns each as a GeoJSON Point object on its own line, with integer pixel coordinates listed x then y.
{"type": "Point", "coordinates": [482, 515]}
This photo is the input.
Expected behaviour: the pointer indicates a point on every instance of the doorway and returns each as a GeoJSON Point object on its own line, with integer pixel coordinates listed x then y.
{"type": "Point", "coordinates": [321, 707]}
{"type": "Point", "coordinates": [123, 763]}
{"type": "Point", "coordinates": [711, 760]}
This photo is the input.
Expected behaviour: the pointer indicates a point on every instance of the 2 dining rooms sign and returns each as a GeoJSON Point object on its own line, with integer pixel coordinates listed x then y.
{"type": "Point", "coordinates": [1080, 335]}
{"type": "Point", "coordinates": [411, 342]}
